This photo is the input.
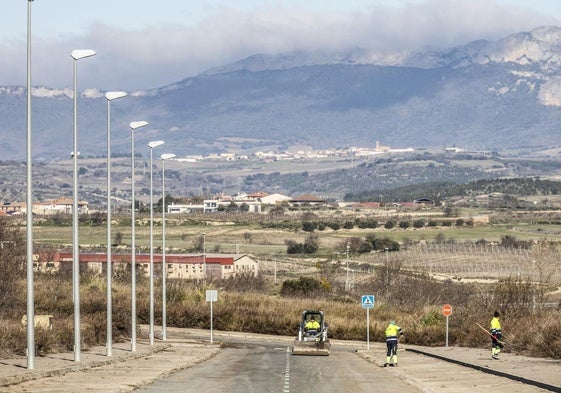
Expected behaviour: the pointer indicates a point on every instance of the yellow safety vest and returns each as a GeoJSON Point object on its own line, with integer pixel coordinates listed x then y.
{"type": "Point", "coordinates": [392, 331]}
{"type": "Point", "coordinates": [312, 325]}
{"type": "Point", "coordinates": [495, 324]}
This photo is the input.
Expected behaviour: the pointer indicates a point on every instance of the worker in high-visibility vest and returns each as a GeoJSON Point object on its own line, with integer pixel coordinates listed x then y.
{"type": "Point", "coordinates": [312, 324]}
{"type": "Point", "coordinates": [393, 332]}
{"type": "Point", "coordinates": [496, 336]}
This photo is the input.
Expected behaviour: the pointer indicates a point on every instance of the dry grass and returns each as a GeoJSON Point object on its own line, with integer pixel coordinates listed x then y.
{"type": "Point", "coordinates": [268, 313]}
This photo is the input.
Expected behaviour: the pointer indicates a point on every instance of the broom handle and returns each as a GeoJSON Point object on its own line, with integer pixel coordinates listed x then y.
{"type": "Point", "coordinates": [486, 331]}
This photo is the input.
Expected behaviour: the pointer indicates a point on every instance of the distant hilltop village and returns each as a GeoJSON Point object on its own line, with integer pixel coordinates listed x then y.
{"type": "Point", "coordinates": [303, 154]}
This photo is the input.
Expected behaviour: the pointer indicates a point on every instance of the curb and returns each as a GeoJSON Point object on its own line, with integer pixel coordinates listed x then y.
{"type": "Point", "coordinates": [487, 370]}
{"type": "Point", "coordinates": [39, 374]}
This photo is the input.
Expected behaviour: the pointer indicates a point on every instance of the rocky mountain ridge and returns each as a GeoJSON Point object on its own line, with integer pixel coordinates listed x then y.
{"type": "Point", "coordinates": [480, 96]}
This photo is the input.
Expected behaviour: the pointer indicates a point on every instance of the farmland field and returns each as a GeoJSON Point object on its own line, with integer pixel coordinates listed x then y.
{"type": "Point", "coordinates": [458, 253]}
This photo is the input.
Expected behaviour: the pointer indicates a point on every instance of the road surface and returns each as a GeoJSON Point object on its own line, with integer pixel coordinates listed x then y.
{"type": "Point", "coordinates": [243, 368]}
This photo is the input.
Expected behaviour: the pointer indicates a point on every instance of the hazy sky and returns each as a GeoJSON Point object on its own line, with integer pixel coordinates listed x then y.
{"type": "Point", "coordinates": [150, 43]}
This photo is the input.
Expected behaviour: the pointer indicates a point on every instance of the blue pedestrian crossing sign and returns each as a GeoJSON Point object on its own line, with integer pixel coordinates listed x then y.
{"type": "Point", "coordinates": [367, 301]}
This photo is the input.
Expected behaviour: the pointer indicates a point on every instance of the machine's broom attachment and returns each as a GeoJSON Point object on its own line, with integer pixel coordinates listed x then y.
{"type": "Point", "coordinates": [311, 348]}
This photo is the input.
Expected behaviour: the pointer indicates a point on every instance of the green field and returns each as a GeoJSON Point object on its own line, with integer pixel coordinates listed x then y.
{"type": "Point", "coordinates": [420, 247]}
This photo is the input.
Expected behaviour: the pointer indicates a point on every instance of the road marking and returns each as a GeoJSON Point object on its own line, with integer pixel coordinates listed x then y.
{"type": "Point", "coordinates": [286, 388]}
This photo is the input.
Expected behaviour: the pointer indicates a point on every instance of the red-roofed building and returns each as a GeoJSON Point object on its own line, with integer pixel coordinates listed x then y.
{"type": "Point", "coordinates": [181, 266]}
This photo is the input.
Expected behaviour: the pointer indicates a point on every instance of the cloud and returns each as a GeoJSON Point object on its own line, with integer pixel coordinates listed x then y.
{"type": "Point", "coordinates": [163, 54]}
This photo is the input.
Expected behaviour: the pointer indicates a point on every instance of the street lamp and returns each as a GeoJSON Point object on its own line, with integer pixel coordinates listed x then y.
{"type": "Point", "coordinates": [29, 211]}
{"type": "Point", "coordinates": [133, 126]}
{"type": "Point", "coordinates": [76, 55]}
{"type": "Point", "coordinates": [152, 145]}
{"type": "Point", "coordinates": [109, 96]}
{"type": "Point", "coordinates": [164, 157]}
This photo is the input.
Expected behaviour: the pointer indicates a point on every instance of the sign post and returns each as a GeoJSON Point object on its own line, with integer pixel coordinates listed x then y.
{"type": "Point", "coordinates": [368, 303]}
{"type": "Point", "coordinates": [447, 311]}
{"type": "Point", "coordinates": [211, 296]}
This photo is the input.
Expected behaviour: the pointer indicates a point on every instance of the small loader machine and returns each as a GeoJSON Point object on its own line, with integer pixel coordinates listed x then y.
{"type": "Point", "coordinates": [312, 341]}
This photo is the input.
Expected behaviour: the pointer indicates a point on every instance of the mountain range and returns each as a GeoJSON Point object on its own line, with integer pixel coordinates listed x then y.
{"type": "Point", "coordinates": [500, 95]}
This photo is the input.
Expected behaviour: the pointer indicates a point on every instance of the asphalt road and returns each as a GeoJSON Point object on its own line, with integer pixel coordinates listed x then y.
{"type": "Point", "coordinates": [251, 363]}
{"type": "Point", "coordinates": [260, 368]}
{"type": "Point", "coordinates": [243, 362]}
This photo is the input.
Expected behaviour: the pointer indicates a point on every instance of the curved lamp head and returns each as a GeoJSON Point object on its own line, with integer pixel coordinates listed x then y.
{"type": "Point", "coordinates": [113, 95]}
{"type": "Point", "coordinates": [78, 54]}
{"type": "Point", "coordinates": [72, 154]}
{"type": "Point", "coordinates": [167, 156]}
{"type": "Point", "coordinates": [137, 124]}
{"type": "Point", "coordinates": [154, 144]}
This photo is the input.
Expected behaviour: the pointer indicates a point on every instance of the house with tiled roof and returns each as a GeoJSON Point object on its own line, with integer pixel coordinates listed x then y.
{"type": "Point", "coordinates": [307, 199]}
{"type": "Point", "coordinates": [257, 195]}
{"type": "Point", "coordinates": [179, 266]}
{"type": "Point", "coordinates": [60, 205]}
{"type": "Point", "coordinates": [13, 208]}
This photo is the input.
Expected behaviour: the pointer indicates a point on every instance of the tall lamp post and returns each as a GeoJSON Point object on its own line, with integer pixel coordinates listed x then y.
{"type": "Point", "coordinates": [29, 211]}
{"type": "Point", "coordinates": [164, 157]}
{"type": "Point", "coordinates": [109, 96]}
{"type": "Point", "coordinates": [152, 145]}
{"type": "Point", "coordinates": [133, 126]}
{"type": "Point", "coordinates": [76, 55]}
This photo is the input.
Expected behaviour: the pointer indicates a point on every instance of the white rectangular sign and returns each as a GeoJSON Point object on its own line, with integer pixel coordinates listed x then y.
{"type": "Point", "coordinates": [211, 295]}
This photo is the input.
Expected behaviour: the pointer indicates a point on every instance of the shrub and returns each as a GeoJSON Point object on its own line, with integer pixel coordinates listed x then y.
{"type": "Point", "coordinates": [368, 223]}
{"type": "Point", "coordinates": [433, 318]}
{"type": "Point", "coordinates": [404, 224]}
{"type": "Point", "coordinates": [311, 245]}
{"type": "Point", "coordinates": [509, 241]}
{"type": "Point", "coordinates": [364, 248]}
{"type": "Point", "coordinates": [293, 247]}
{"type": "Point", "coordinates": [304, 286]}
{"type": "Point", "coordinates": [353, 243]}
{"type": "Point", "coordinates": [309, 226]}
{"type": "Point", "coordinates": [334, 225]}
{"type": "Point", "coordinates": [390, 224]}
{"type": "Point", "coordinates": [381, 244]}
{"type": "Point", "coordinates": [348, 225]}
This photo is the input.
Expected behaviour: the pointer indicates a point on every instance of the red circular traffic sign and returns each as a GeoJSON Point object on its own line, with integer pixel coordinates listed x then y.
{"type": "Point", "coordinates": [447, 310]}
